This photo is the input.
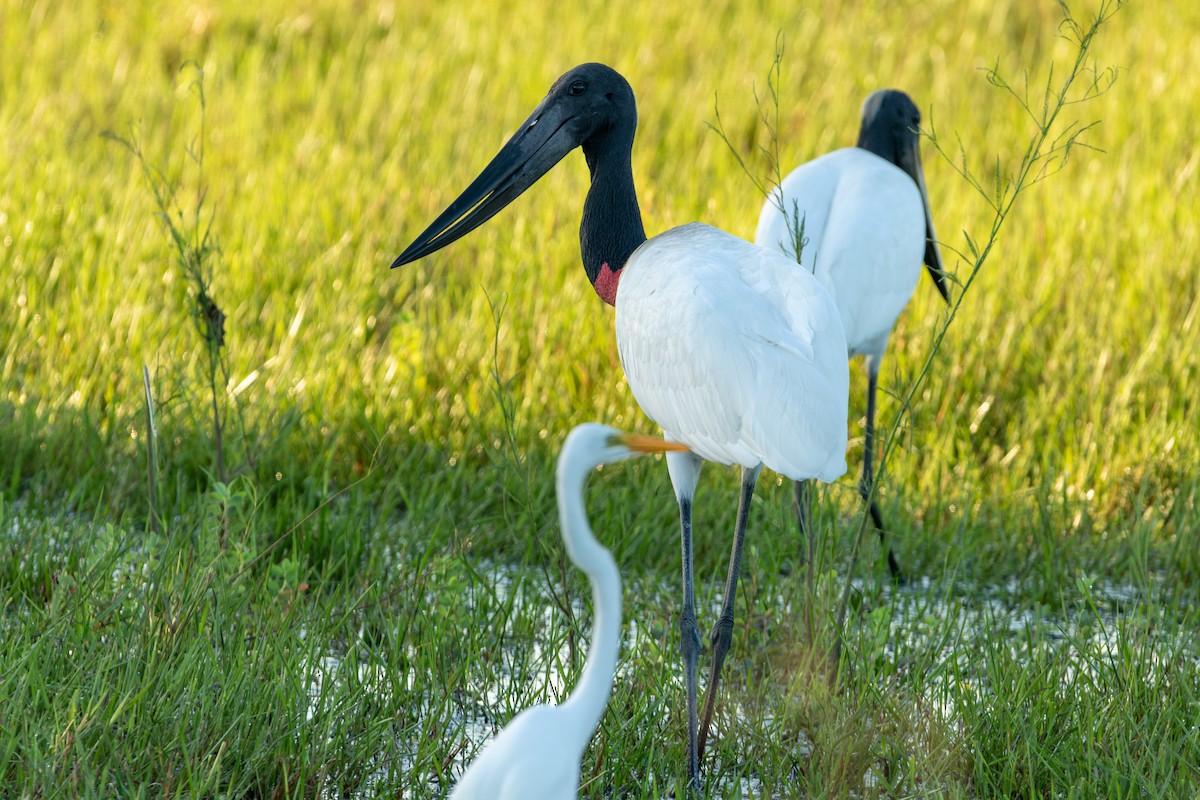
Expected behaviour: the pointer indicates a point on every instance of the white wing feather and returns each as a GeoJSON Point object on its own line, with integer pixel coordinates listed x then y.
{"type": "Point", "coordinates": [865, 225]}
{"type": "Point", "coordinates": [735, 352]}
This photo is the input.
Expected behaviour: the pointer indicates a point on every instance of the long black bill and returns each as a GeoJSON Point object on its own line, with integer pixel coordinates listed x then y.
{"type": "Point", "coordinates": [910, 162]}
{"type": "Point", "coordinates": [539, 144]}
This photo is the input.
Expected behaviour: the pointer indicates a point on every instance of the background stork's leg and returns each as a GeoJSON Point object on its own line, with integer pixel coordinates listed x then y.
{"type": "Point", "coordinates": [868, 471]}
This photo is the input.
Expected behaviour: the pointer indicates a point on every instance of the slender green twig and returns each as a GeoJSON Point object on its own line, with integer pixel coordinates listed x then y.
{"type": "Point", "coordinates": [151, 451]}
{"type": "Point", "coordinates": [769, 116]}
{"type": "Point", "coordinates": [1046, 153]}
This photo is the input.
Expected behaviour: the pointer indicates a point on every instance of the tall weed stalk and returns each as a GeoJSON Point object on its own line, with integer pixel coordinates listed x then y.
{"type": "Point", "coordinates": [189, 229]}
{"type": "Point", "coordinates": [1051, 143]}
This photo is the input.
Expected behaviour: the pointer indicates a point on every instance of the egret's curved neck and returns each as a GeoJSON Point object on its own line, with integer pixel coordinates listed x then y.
{"type": "Point", "coordinates": [612, 222]}
{"type": "Point", "coordinates": [587, 702]}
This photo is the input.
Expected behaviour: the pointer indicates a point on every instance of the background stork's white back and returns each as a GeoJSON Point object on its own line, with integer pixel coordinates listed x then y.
{"type": "Point", "coordinates": [867, 228]}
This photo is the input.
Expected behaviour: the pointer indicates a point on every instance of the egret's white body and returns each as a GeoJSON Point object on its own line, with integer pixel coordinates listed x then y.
{"type": "Point", "coordinates": [865, 225]}
{"type": "Point", "coordinates": [735, 353]}
{"type": "Point", "coordinates": [536, 756]}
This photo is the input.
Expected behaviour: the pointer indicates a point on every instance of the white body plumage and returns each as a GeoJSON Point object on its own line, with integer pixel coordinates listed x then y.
{"type": "Point", "coordinates": [536, 756]}
{"type": "Point", "coordinates": [515, 765]}
{"type": "Point", "coordinates": [864, 220]}
{"type": "Point", "coordinates": [735, 352]}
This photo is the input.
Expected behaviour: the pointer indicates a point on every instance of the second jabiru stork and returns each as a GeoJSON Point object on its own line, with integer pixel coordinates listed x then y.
{"type": "Point", "coordinates": [867, 229]}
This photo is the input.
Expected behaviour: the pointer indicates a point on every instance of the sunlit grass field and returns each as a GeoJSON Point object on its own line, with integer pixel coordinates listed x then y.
{"type": "Point", "coordinates": [374, 573]}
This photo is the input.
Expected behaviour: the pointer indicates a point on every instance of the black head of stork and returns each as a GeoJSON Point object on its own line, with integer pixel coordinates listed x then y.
{"type": "Point", "coordinates": [891, 129]}
{"type": "Point", "coordinates": [591, 106]}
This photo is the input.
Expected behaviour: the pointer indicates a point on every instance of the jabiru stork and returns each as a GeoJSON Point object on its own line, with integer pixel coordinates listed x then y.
{"type": "Point", "coordinates": [728, 347]}
{"type": "Point", "coordinates": [867, 229]}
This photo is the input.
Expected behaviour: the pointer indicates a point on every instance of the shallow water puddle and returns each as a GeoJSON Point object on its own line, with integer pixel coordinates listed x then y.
{"type": "Point", "coordinates": [1097, 629]}
{"type": "Point", "coordinates": [919, 617]}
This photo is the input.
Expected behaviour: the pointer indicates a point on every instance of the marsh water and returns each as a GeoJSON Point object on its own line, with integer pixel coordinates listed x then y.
{"type": "Point", "coordinates": [926, 634]}
{"type": "Point", "coordinates": [926, 624]}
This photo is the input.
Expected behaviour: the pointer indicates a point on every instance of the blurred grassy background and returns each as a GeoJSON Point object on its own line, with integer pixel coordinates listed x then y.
{"type": "Point", "coordinates": [1055, 439]}
{"type": "Point", "coordinates": [335, 133]}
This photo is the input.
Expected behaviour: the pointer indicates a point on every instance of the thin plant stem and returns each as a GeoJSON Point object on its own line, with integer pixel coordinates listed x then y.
{"type": "Point", "coordinates": [151, 452]}
{"type": "Point", "coordinates": [1048, 150]}
{"type": "Point", "coordinates": [1046, 154]}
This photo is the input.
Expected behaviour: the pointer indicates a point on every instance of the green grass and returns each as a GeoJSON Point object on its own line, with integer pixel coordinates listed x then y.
{"type": "Point", "coordinates": [387, 497]}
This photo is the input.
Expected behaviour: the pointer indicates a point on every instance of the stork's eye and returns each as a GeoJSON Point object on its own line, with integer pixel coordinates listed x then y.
{"type": "Point", "coordinates": [578, 88]}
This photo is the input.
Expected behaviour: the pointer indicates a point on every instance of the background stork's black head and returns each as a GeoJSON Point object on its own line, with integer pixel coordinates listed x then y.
{"type": "Point", "coordinates": [891, 129]}
{"type": "Point", "coordinates": [891, 123]}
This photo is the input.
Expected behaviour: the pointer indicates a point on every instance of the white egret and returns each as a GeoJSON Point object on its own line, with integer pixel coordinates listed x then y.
{"type": "Point", "coordinates": [536, 756]}
{"type": "Point", "coordinates": [867, 227]}
{"type": "Point", "coordinates": [727, 346]}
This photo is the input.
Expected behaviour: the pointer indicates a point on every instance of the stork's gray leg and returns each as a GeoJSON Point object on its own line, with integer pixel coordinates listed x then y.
{"type": "Point", "coordinates": [685, 472]}
{"type": "Point", "coordinates": [689, 642]}
{"type": "Point", "coordinates": [722, 633]}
